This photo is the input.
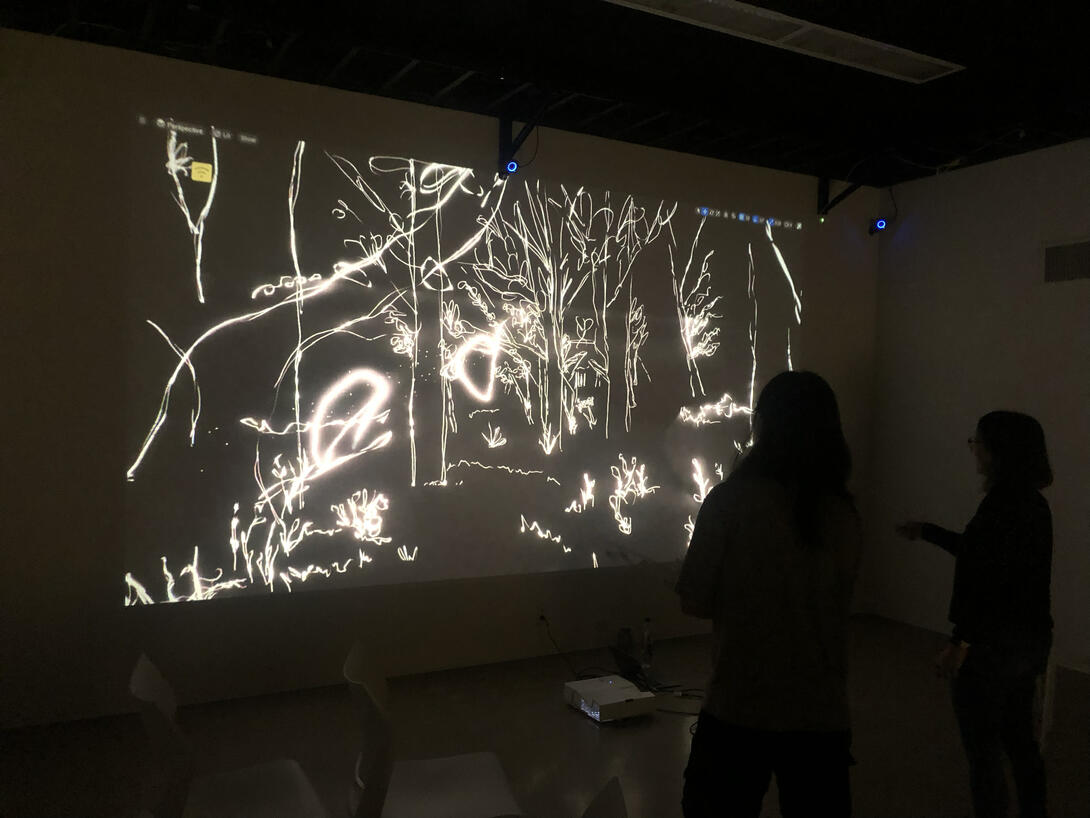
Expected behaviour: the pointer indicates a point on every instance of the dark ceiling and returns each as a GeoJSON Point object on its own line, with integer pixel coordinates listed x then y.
{"type": "Point", "coordinates": [598, 68]}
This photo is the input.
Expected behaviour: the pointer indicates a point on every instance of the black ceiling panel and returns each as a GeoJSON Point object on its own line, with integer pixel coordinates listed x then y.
{"type": "Point", "coordinates": [603, 69]}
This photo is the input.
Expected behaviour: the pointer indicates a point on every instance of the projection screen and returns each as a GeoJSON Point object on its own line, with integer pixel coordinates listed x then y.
{"type": "Point", "coordinates": [350, 367]}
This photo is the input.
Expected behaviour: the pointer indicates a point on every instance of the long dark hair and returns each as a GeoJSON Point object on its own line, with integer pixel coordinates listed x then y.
{"type": "Point", "coordinates": [800, 444]}
{"type": "Point", "coordinates": [1016, 443]}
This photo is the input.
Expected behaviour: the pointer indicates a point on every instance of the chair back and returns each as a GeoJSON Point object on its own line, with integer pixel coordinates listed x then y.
{"type": "Point", "coordinates": [609, 803]}
{"type": "Point", "coordinates": [374, 764]}
{"type": "Point", "coordinates": [171, 752]}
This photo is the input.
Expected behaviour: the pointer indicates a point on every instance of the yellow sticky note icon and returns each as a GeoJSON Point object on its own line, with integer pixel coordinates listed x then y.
{"type": "Point", "coordinates": [200, 172]}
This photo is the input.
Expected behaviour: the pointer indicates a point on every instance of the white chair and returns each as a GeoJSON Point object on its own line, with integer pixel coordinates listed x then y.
{"type": "Point", "coordinates": [609, 803]}
{"type": "Point", "coordinates": [277, 789]}
{"type": "Point", "coordinates": [464, 786]}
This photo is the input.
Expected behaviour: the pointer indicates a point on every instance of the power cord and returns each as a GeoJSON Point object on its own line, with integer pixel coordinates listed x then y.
{"type": "Point", "coordinates": [559, 652]}
{"type": "Point", "coordinates": [537, 144]}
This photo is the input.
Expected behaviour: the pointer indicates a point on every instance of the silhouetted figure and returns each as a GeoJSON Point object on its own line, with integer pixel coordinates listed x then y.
{"type": "Point", "coordinates": [772, 561]}
{"type": "Point", "coordinates": [1000, 610]}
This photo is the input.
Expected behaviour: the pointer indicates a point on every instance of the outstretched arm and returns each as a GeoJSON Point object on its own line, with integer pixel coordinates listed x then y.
{"type": "Point", "coordinates": [949, 541]}
{"type": "Point", "coordinates": [946, 540]}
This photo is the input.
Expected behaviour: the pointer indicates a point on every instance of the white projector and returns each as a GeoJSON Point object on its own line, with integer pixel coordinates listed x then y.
{"type": "Point", "coordinates": [609, 698]}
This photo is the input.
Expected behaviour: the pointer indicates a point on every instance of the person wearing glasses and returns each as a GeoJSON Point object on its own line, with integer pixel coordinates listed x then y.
{"type": "Point", "coordinates": [1000, 609]}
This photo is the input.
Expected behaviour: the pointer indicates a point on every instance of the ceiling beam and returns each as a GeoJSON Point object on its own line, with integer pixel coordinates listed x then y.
{"type": "Point", "coordinates": [506, 95]}
{"type": "Point", "coordinates": [342, 64]}
{"type": "Point", "coordinates": [692, 126]}
{"type": "Point", "coordinates": [599, 114]}
{"type": "Point", "coordinates": [399, 74]}
{"type": "Point", "coordinates": [560, 103]}
{"type": "Point", "coordinates": [282, 52]}
{"type": "Point", "coordinates": [147, 25]}
{"type": "Point", "coordinates": [637, 125]}
{"type": "Point", "coordinates": [217, 38]}
{"type": "Point", "coordinates": [446, 89]}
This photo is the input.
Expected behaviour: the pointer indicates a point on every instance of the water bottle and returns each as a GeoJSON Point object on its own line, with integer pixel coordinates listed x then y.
{"type": "Point", "coordinates": [648, 646]}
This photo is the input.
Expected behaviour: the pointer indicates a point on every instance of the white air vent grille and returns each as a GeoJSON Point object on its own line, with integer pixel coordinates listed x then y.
{"type": "Point", "coordinates": [1067, 262]}
{"type": "Point", "coordinates": [792, 34]}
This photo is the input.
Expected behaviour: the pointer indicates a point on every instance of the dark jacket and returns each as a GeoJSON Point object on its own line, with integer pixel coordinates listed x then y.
{"type": "Point", "coordinates": [779, 607]}
{"type": "Point", "coordinates": [1001, 598]}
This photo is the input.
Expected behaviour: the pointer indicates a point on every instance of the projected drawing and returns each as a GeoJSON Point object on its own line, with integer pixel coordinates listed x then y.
{"type": "Point", "coordinates": [180, 164]}
{"type": "Point", "coordinates": [437, 354]}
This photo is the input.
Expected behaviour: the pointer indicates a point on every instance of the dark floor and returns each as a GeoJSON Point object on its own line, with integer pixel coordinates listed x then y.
{"type": "Point", "coordinates": [910, 762]}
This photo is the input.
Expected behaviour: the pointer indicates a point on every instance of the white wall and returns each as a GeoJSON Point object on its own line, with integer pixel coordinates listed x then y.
{"type": "Point", "coordinates": [967, 325]}
{"type": "Point", "coordinates": [66, 642]}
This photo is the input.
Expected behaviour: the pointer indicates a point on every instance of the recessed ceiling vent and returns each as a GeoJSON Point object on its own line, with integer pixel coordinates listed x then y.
{"type": "Point", "coordinates": [793, 34]}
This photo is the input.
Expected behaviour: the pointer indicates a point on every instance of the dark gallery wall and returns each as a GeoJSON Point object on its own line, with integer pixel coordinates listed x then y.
{"type": "Point", "coordinates": [66, 640]}
{"type": "Point", "coordinates": [968, 324]}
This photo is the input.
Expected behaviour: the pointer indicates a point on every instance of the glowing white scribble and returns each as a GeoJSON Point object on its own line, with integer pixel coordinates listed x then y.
{"type": "Point", "coordinates": [494, 438]}
{"type": "Point", "coordinates": [404, 555]}
{"type": "Point", "coordinates": [689, 527]}
{"type": "Point", "coordinates": [703, 484]}
{"type": "Point", "coordinates": [362, 515]}
{"type": "Point", "coordinates": [285, 283]}
{"type": "Point", "coordinates": [724, 408]}
{"type": "Point", "coordinates": [586, 496]}
{"type": "Point", "coordinates": [695, 311]}
{"type": "Point", "coordinates": [202, 588]}
{"type": "Point", "coordinates": [324, 454]}
{"type": "Point", "coordinates": [489, 346]}
{"type": "Point", "coordinates": [308, 572]}
{"type": "Point", "coordinates": [795, 294]}
{"type": "Point", "coordinates": [752, 290]}
{"type": "Point", "coordinates": [195, 413]}
{"type": "Point", "coordinates": [179, 163]}
{"type": "Point", "coordinates": [502, 467]}
{"type": "Point", "coordinates": [136, 592]}
{"type": "Point", "coordinates": [535, 528]}
{"type": "Point", "coordinates": [631, 485]}
{"type": "Point", "coordinates": [548, 441]}
{"type": "Point", "coordinates": [636, 336]}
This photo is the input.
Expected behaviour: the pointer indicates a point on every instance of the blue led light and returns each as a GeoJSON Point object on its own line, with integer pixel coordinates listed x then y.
{"type": "Point", "coordinates": [512, 166]}
{"type": "Point", "coordinates": [756, 219]}
{"type": "Point", "coordinates": [880, 224]}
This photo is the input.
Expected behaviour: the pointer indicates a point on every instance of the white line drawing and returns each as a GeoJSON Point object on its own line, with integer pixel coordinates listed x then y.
{"type": "Point", "coordinates": [179, 164]}
{"type": "Point", "coordinates": [518, 314]}
{"type": "Point", "coordinates": [362, 515]}
{"type": "Point", "coordinates": [703, 484]}
{"type": "Point", "coordinates": [631, 485]}
{"type": "Point", "coordinates": [586, 496]}
{"type": "Point", "coordinates": [494, 439]}
{"type": "Point", "coordinates": [695, 309]}
{"type": "Point", "coordinates": [535, 528]}
{"type": "Point", "coordinates": [724, 408]}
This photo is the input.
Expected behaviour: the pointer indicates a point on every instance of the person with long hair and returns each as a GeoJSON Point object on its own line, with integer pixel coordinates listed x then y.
{"type": "Point", "coordinates": [1000, 608]}
{"type": "Point", "coordinates": [772, 561]}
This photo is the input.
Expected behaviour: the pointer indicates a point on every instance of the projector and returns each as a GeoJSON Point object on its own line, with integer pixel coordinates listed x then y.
{"type": "Point", "coordinates": [609, 698]}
